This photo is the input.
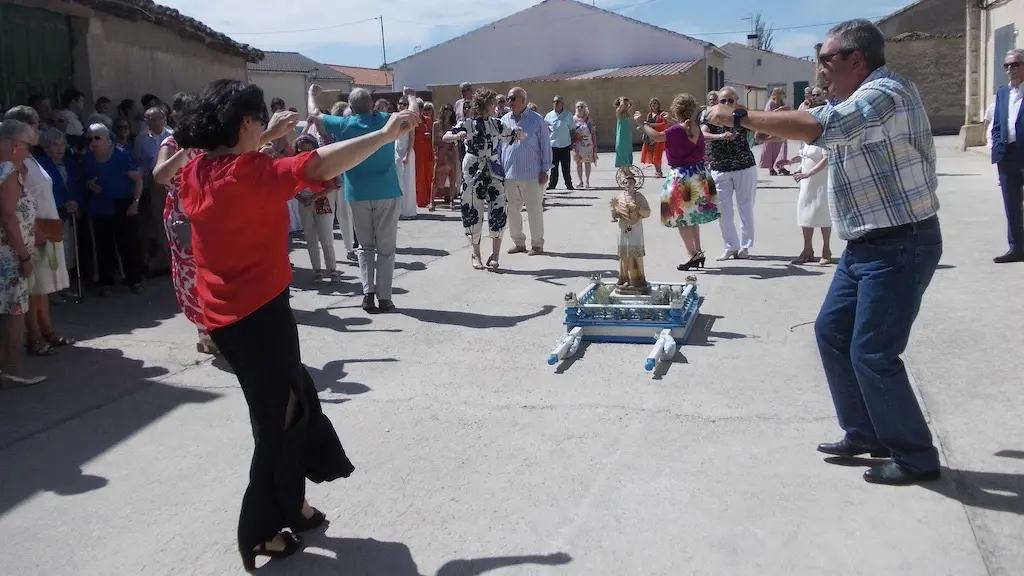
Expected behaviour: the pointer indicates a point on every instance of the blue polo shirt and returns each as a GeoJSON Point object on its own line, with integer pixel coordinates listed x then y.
{"type": "Point", "coordinates": [376, 177]}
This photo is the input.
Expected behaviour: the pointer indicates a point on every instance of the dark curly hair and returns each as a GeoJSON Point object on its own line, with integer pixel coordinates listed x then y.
{"type": "Point", "coordinates": [482, 99]}
{"type": "Point", "coordinates": [217, 115]}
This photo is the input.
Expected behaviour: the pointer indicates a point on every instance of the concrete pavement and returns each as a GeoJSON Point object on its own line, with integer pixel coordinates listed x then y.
{"type": "Point", "coordinates": [473, 455]}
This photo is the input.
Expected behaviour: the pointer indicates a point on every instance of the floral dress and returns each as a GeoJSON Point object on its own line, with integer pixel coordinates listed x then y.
{"type": "Point", "coordinates": [583, 145]}
{"type": "Point", "coordinates": [183, 265]}
{"type": "Point", "coordinates": [483, 181]}
{"type": "Point", "coordinates": [14, 288]}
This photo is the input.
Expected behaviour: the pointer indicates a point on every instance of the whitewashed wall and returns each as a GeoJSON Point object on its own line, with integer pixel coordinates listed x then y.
{"type": "Point", "coordinates": [555, 36]}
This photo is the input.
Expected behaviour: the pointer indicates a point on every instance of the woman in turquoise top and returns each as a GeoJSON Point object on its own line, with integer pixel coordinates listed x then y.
{"type": "Point", "coordinates": [623, 132]}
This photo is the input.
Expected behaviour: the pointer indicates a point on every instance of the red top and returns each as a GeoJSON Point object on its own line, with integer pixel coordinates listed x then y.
{"type": "Point", "coordinates": [238, 209]}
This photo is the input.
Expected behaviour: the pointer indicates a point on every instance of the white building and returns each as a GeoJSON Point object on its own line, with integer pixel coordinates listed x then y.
{"type": "Point", "coordinates": [551, 37]}
{"type": "Point", "coordinates": [752, 66]}
{"type": "Point", "coordinates": [287, 75]}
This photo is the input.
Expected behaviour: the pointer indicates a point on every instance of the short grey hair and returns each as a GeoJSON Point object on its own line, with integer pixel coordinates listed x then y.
{"type": "Point", "coordinates": [725, 89]}
{"type": "Point", "coordinates": [51, 136]}
{"type": "Point", "coordinates": [338, 109]}
{"type": "Point", "coordinates": [98, 129]}
{"type": "Point", "coordinates": [863, 36]}
{"type": "Point", "coordinates": [155, 111]}
{"type": "Point", "coordinates": [23, 114]}
{"type": "Point", "coordinates": [1017, 53]}
{"type": "Point", "coordinates": [360, 101]}
{"type": "Point", "coordinates": [12, 129]}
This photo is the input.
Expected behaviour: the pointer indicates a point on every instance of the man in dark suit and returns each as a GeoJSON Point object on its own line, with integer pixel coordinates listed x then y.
{"type": "Point", "coordinates": [1008, 153]}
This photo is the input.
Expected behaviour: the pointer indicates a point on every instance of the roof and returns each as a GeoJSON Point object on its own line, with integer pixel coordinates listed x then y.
{"type": "Point", "coordinates": [913, 4]}
{"type": "Point", "coordinates": [908, 36]}
{"type": "Point", "coordinates": [297, 63]}
{"type": "Point", "coordinates": [735, 45]}
{"type": "Point", "coordinates": [186, 27]}
{"type": "Point", "coordinates": [584, 5]}
{"type": "Point", "coordinates": [365, 76]}
{"type": "Point", "coordinates": [647, 70]}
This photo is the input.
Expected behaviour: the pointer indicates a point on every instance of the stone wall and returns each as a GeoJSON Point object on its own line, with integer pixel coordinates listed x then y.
{"type": "Point", "coordinates": [935, 63]}
{"type": "Point", "coordinates": [600, 95]}
{"type": "Point", "coordinates": [927, 16]}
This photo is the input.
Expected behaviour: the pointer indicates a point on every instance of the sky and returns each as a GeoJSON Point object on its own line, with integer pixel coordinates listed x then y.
{"type": "Point", "coordinates": [351, 35]}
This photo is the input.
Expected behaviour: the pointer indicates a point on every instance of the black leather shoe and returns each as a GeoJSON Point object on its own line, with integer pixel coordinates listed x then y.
{"type": "Point", "coordinates": [369, 305]}
{"type": "Point", "coordinates": [1010, 256]}
{"type": "Point", "coordinates": [892, 474]}
{"type": "Point", "coordinates": [385, 305]}
{"type": "Point", "coordinates": [844, 449]}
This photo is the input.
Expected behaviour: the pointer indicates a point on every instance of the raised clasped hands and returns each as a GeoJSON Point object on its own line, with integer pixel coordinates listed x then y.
{"type": "Point", "coordinates": [282, 123]}
{"type": "Point", "coordinates": [401, 123]}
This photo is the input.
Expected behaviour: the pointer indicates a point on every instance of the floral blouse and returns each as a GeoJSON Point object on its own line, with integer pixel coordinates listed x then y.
{"type": "Point", "coordinates": [484, 136]}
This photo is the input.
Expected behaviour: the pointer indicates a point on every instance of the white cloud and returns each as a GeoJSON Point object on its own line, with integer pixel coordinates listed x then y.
{"type": "Point", "coordinates": [297, 24]}
{"type": "Point", "coordinates": [798, 44]}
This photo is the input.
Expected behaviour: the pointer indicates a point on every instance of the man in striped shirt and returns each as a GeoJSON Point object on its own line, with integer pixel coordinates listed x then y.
{"type": "Point", "coordinates": [526, 164]}
{"type": "Point", "coordinates": [882, 198]}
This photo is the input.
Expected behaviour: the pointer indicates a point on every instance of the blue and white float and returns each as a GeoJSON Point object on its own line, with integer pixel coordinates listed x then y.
{"type": "Point", "coordinates": [664, 317]}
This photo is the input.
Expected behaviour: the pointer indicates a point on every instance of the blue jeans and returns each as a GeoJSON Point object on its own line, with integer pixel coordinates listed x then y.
{"type": "Point", "coordinates": [863, 327]}
{"type": "Point", "coordinates": [1011, 181]}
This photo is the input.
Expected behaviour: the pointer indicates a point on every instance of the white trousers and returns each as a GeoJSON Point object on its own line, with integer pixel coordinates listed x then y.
{"type": "Point", "coordinates": [530, 193]}
{"type": "Point", "coordinates": [319, 232]}
{"type": "Point", "coordinates": [407, 182]}
{"type": "Point", "coordinates": [736, 191]}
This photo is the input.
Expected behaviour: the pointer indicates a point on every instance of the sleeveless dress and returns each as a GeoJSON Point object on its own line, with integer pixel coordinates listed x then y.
{"type": "Point", "coordinates": [14, 289]}
{"type": "Point", "coordinates": [584, 149]}
{"type": "Point", "coordinates": [183, 265]}
{"type": "Point", "coordinates": [623, 143]}
{"type": "Point", "coordinates": [49, 266]}
{"type": "Point", "coordinates": [812, 202]}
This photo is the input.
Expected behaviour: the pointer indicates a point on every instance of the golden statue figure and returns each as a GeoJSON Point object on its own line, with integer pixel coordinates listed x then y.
{"type": "Point", "coordinates": [629, 209]}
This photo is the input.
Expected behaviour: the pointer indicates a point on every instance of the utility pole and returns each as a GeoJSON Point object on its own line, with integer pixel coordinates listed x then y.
{"type": "Point", "coordinates": [383, 48]}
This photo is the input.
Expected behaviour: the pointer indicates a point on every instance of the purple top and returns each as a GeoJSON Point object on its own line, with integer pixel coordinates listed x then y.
{"type": "Point", "coordinates": [680, 151]}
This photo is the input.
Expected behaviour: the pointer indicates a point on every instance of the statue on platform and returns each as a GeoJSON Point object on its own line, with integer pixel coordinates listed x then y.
{"type": "Point", "coordinates": [629, 209]}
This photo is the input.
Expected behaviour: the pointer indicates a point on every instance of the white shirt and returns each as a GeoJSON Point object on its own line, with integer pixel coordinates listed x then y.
{"type": "Point", "coordinates": [1012, 112]}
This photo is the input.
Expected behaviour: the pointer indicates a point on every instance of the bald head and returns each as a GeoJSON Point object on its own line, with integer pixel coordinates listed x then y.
{"type": "Point", "coordinates": [517, 99]}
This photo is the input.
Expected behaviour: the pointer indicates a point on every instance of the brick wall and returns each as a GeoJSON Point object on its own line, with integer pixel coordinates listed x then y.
{"type": "Point", "coordinates": [600, 95]}
{"type": "Point", "coordinates": [935, 64]}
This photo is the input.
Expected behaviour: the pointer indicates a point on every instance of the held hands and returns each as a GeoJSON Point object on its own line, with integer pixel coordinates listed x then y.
{"type": "Point", "coordinates": [282, 123]}
{"type": "Point", "coordinates": [401, 123]}
{"type": "Point", "coordinates": [133, 210]}
{"type": "Point", "coordinates": [94, 187]}
{"type": "Point", "coordinates": [315, 90]}
{"type": "Point", "coordinates": [720, 115]}
{"type": "Point", "coordinates": [637, 116]}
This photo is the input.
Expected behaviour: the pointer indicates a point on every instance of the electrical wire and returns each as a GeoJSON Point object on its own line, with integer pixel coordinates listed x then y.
{"type": "Point", "coordinates": [331, 27]}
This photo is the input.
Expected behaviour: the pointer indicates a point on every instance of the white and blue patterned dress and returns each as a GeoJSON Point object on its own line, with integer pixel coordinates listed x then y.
{"type": "Point", "coordinates": [14, 288]}
{"type": "Point", "coordinates": [483, 185]}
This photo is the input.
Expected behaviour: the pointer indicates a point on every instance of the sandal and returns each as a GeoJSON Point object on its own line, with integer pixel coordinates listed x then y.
{"type": "Point", "coordinates": [307, 524]}
{"type": "Point", "coordinates": [292, 543]}
{"type": "Point", "coordinates": [56, 341]}
{"type": "Point", "coordinates": [40, 348]}
{"type": "Point", "coordinates": [492, 263]}
{"type": "Point", "coordinates": [477, 265]}
{"type": "Point", "coordinates": [803, 258]}
{"type": "Point", "coordinates": [826, 259]}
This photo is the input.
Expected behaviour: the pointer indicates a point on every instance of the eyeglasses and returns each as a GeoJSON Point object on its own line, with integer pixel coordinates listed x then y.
{"type": "Point", "coordinates": [98, 138]}
{"type": "Point", "coordinates": [826, 57]}
{"type": "Point", "coordinates": [1012, 65]}
{"type": "Point", "coordinates": [727, 100]}
{"type": "Point", "coordinates": [511, 98]}
{"type": "Point", "coordinates": [557, 102]}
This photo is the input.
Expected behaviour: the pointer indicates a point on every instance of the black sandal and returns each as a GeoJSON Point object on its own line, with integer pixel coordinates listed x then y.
{"type": "Point", "coordinates": [311, 523]}
{"type": "Point", "coordinates": [492, 263]}
{"type": "Point", "coordinates": [54, 340]}
{"type": "Point", "coordinates": [292, 543]}
{"type": "Point", "coordinates": [40, 348]}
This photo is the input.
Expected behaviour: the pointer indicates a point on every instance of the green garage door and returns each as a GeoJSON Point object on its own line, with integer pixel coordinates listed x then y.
{"type": "Point", "coordinates": [35, 54]}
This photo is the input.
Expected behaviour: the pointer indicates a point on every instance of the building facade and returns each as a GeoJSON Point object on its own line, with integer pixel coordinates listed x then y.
{"type": "Point", "coordinates": [288, 75]}
{"type": "Point", "coordinates": [993, 28]}
{"type": "Point", "coordinates": [547, 39]}
{"type": "Point", "coordinates": [750, 66]}
{"type": "Point", "coordinates": [113, 48]}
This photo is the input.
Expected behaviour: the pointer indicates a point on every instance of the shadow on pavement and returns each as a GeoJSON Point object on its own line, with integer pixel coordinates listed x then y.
{"type": "Point", "coordinates": [369, 557]}
{"type": "Point", "coordinates": [472, 319]}
{"type": "Point", "coordinates": [704, 335]}
{"type": "Point", "coordinates": [322, 318]}
{"type": "Point", "coordinates": [329, 379]}
{"type": "Point", "coordinates": [103, 379]}
{"type": "Point", "coordinates": [120, 313]}
{"type": "Point", "coordinates": [761, 273]}
{"type": "Point", "coordinates": [550, 275]}
{"type": "Point", "coordinates": [996, 491]}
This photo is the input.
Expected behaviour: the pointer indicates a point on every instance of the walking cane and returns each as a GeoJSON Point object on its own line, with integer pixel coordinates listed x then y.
{"type": "Point", "coordinates": [78, 266]}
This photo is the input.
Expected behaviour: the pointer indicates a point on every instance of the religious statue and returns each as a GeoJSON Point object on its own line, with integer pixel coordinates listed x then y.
{"type": "Point", "coordinates": [629, 209]}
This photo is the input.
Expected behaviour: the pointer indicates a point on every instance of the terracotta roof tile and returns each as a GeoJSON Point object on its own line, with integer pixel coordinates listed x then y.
{"type": "Point", "coordinates": [365, 76]}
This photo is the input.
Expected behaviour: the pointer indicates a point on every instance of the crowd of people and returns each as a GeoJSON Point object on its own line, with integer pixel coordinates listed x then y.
{"type": "Point", "coordinates": [222, 181]}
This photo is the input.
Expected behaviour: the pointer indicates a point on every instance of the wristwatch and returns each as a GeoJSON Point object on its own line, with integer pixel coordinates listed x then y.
{"type": "Point", "coordinates": [737, 117]}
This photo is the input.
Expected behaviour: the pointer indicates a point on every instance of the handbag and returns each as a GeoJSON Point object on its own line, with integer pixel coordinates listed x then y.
{"type": "Point", "coordinates": [497, 169]}
{"type": "Point", "coordinates": [50, 230]}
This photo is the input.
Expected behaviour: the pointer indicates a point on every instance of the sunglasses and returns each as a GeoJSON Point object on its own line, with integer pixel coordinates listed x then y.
{"type": "Point", "coordinates": [511, 98]}
{"type": "Point", "coordinates": [727, 100]}
{"type": "Point", "coordinates": [1012, 65]}
{"type": "Point", "coordinates": [827, 57]}
{"type": "Point", "coordinates": [556, 102]}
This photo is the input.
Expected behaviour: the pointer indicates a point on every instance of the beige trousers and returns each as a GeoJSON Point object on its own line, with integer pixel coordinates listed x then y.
{"type": "Point", "coordinates": [530, 193]}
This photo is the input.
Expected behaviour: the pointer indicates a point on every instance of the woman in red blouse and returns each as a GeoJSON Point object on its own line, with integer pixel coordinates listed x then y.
{"type": "Point", "coordinates": [235, 199]}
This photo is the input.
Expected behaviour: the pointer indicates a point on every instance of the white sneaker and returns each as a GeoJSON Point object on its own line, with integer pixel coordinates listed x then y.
{"type": "Point", "coordinates": [742, 254]}
{"type": "Point", "coordinates": [727, 255]}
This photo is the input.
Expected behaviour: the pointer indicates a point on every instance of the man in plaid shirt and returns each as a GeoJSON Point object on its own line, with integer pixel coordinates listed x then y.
{"type": "Point", "coordinates": [881, 186]}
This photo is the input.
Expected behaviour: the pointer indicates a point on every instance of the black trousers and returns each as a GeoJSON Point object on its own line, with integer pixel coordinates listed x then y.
{"type": "Point", "coordinates": [263, 351]}
{"type": "Point", "coordinates": [560, 157]}
{"type": "Point", "coordinates": [118, 235]}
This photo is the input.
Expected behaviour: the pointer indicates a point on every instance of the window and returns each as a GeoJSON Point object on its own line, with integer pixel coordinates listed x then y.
{"type": "Point", "coordinates": [758, 62]}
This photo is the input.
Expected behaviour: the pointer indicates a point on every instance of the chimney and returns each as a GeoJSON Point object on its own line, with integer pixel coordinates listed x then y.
{"type": "Point", "coordinates": [752, 40]}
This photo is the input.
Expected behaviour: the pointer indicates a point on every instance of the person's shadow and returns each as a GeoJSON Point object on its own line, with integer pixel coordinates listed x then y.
{"type": "Point", "coordinates": [369, 557]}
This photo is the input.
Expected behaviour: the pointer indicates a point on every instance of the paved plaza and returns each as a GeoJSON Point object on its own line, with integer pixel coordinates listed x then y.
{"type": "Point", "coordinates": [474, 456]}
